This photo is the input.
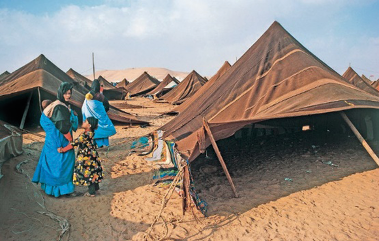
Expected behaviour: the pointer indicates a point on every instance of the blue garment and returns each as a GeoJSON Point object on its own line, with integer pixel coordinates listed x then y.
{"type": "Point", "coordinates": [54, 170]}
{"type": "Point", "coordinates": [105, 127]}
{"type": "Point", "coordinates": [74, 121]}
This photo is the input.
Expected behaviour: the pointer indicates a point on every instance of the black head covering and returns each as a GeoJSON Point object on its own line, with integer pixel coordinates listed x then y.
{"type": "Point", "coordinates": [95, 87]}
{"type": "Point", "coordinates": [63, 88]}
{"type": "Point", "coordinates": [93, 122]}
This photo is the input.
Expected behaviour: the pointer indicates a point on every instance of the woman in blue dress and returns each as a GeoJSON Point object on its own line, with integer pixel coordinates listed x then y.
{"type": "Point", "coordinates": [55, 170]}
{"type": "Point", "coordinates": [97, 105]}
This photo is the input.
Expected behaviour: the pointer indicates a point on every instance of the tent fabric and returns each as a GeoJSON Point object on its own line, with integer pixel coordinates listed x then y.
{"type": "Point", "coordinates": [143, 84]}
{"type": "Point", "coordinates": [4, 75]}
{"type": "Point", "coordinates": [122, 84]}
{"type": "Point", "coordinates": [43, 74]}
{"type": "Point", "coordinates": [165, 82]}
{"type": "Point", "coordinates": [202, 91]}
{"type": "Point", "coordinates": [79, 78]}
{"type": "Point", "coordinates": [276, 78]}
{"type": "Point", "coordinates": [187, 88]}
{"type": "Point", "coordinates": [10, 142]}
{"type": "Point", "coordinates": [352, 77]}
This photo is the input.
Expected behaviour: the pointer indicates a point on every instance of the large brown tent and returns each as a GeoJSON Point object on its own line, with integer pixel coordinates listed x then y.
{"type": "Point", "coordinates": [163, 88]}
{"type": "Point", "coordinates": [143, 84]}
{"type": "Point", "coordinates": [276, 78]}
{"type": "Point", "coordinates": [23, 90]}
{"type": "Point", "coordinates": [187, 88]}
{"type": "Point", "coordinates": [111, 92]}
{"type": "Point", "coordinates": [352, 77]}
{"type": "Point", "coordinates": [202, 91]}
{"type": "Point", "coordinates": [84, 81]}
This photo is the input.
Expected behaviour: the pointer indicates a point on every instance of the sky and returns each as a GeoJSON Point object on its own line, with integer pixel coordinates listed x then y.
{"type": "Point", "coordinates": [183, 35]}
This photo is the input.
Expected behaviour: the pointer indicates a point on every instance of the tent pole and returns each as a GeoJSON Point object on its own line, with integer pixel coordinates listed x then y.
{"type": "Point", "coordinates": [214, 144]}
{"type": "Point", "coordinates": [39, 99]}
{"type": "Point", "coordinates": [360, 138]}
{"type": "Point", "coordinates": [26, 111]}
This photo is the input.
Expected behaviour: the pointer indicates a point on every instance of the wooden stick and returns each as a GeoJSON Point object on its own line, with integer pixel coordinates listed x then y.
{"type": "Point", "coordinates": [25, 111]}
{"type": "Point", "coordinates": [360, 138]}
{"type": "Point", "coordinates": [214, 144]}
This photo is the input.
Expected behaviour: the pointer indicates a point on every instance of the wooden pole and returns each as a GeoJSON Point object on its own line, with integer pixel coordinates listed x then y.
{"type": "Point", "coordinates": [93, 65]}
{"type": "Point", "coordinates": [360, 138]}
{"type": "Point", "coordinates": [26, 111]}
{"type": "Point", "coordinates": [214, 144]}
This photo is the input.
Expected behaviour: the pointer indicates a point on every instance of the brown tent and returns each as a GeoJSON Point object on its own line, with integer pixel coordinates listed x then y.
{"type": "Point", "coordinates": [84, 81]}
{"type": "Point", "coordinates": [143, 84]}
{"type": "Point", "coordinates": [25, 88]}
{"type": "Point", "coordinates": [111, 92]}
{"type": "Point", "coordinates": [276, 78]}
{"type": "Point", "coordinates": [163, 88]}
{"type": "Point", "coordinates": [352, 77]}
{"type": "Point", "coordinates": [122, 84]}
{"type": "Point", "coordinates": [188, 87]}
{"type": "Point", "coordinates": [202, 91]}
{"type": "Point", "coordinates": [4, 75]}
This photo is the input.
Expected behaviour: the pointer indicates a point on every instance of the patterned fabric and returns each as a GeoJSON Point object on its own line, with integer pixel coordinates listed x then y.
{"type": "Point", "coordinates": [168, 161]}
{"type": "Point", "coordinates": [88, 164]}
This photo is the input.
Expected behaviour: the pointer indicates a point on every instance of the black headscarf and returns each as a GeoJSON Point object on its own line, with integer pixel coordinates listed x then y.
{"type": "Point", "coordinates": [95, 87]}
{"type": "Point", "coordinates": [93, 122]}
{"type": "Point", "coordinates": [63, 88]}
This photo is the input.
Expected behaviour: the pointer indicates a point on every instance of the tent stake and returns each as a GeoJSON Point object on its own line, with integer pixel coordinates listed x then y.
{"type": "Point", "coordinates": [214, 144]}
{"type": "Point", "coordinates": [26, 111]}
{"type": "Point", "coordinates": [360, 138]}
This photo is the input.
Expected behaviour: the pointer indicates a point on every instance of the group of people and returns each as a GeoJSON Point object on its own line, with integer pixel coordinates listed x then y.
{"type": "Point", "coordinates": [58, 170]}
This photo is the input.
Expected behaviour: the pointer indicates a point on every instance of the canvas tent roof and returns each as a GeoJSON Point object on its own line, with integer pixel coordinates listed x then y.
{"type": "Point", "coordinates": [43, 76]}
{"type": "Point", "coordinates": [225, 67]}
{"type": "Point", "coordinates": [79, 78]}
{"type": "Point", "coordinates": [165, 82]}
{"type": "Point", "coordinates": [276, 78]}
{"type": "Point", "coordinates": [352, 77]}
{"type": "Point", "coordinates": [4, 75]}
{"type": "Point", "coordinates": [122, 84]}
{"type": "Point", "coordinates": [185, 89]}
{"type": "Point", "coordinates": [143, 84]}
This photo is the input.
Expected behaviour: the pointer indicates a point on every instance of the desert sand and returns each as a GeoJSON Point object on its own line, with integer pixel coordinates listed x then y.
{"type": "Point", "coordinates": [303, 187]}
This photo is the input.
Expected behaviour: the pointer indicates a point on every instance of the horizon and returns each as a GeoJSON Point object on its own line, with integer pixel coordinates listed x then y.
{"type": "Point", "coordinates": [183, 36]}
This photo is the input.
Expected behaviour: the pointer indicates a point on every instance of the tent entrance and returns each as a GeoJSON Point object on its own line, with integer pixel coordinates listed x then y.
{"type": "Point", "coordinates": [278, 151]}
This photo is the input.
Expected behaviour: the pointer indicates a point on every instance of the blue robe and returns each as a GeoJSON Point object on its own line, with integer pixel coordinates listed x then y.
{"type": "Point", "coordinates": [105, 127]}
{"type": "Point", "coordinates": [54, 170]}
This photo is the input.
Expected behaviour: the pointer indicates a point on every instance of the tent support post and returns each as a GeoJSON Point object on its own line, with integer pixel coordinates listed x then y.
{"type": "Point", "coordinates": [214, 144]}
{"type": "Point", "coordinates": [26, 111]}
{"type": "Point", "coordinates": [39, 99]}
{"type": "Point", "coordinates": [360, 138]}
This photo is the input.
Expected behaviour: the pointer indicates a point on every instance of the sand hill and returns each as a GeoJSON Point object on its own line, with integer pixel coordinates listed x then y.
{"type": "Point", "coordinates": [133, 73]}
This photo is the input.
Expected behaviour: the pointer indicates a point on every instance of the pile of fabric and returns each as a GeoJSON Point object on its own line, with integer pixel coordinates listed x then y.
{"type": "Point", "coordinates": [172, 169]}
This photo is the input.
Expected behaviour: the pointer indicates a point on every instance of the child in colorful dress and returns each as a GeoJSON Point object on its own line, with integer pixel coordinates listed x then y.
{"type": "Point", "coordinates": [88, 170]}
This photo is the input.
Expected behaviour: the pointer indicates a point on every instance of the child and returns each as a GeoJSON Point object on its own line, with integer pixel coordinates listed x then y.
{"type": "Point", "coordinates": [45, 103]}
{"type": "Point", "coordinates": [88, 170]}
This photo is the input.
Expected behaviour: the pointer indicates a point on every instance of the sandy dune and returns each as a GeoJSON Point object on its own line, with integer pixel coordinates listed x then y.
{"type": "Point", "coordinates": [133, 73]}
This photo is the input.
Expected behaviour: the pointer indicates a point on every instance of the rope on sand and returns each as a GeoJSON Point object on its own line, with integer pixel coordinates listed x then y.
{"type": "Point", "coordinates": [165, 200]}
{"type": "Point", "coordinates": [63, 223]}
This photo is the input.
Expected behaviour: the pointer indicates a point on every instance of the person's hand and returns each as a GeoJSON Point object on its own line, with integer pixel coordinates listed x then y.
{"type": "Point", "coordinates": [76, 114]}
{"type": "Point", "coordinates": [60, 149]}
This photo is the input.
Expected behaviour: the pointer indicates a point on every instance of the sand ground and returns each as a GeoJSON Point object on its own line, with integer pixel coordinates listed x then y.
{"type": "Point", "coordinates": [300, 187]}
